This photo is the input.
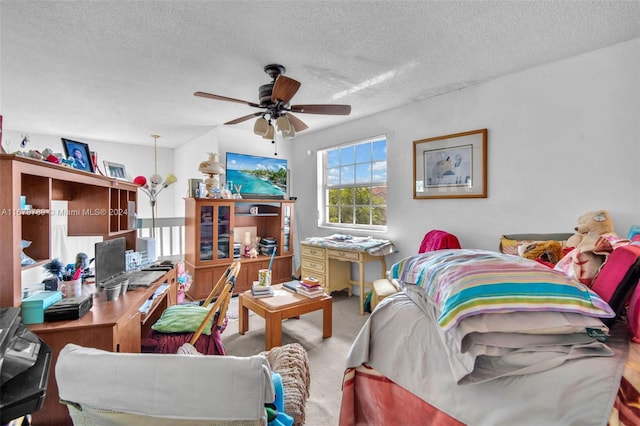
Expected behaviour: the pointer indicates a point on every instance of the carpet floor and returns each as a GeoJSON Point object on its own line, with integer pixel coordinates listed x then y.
{"type": "Point", "coordinates": [327, 357]}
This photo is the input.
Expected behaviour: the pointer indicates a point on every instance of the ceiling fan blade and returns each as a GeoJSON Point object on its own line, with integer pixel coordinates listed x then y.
{"type": "Point", "coordinates": [298, 125]}
{"type": "Point", "coordinates": [284, 88]}
{"type": "Point", "coordinates": [243, 118]}
{"type": "Point", "coordinates": [224, 98]}
{"type": "Point", "coordinates": [329, 109]}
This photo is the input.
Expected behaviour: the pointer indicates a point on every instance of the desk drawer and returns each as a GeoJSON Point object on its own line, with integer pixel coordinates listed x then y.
{"type": "Point", "coordinates": [317, 265]}
{"type": "Point", "coordinates": [344, 254]}
{"type": "Point", "coordinates": [316, 252]}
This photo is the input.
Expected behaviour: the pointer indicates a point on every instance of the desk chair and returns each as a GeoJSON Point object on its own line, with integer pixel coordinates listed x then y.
{"type": "Point", "coordinates": [170, 339]}
{"type": "Point", "coordinates": [109, 389]}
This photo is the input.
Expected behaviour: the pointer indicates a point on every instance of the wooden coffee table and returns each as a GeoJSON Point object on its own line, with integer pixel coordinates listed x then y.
{"type": "Point", "coordinates": [283, 305]}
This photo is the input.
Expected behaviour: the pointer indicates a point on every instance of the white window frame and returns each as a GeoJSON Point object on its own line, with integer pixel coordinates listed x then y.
{"type": "Point", "coordinates": [323, 187]}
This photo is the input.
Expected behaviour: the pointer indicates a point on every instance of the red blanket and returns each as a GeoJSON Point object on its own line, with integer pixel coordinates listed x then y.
{"type": "Point", "coordinates": [369, 398]}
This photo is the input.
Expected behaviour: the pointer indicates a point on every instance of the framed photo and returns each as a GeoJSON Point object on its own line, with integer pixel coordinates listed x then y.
{"type": "Point", "coordinates": [451, 166]}
{"type": "Point", "coordinates": [115, 170]}
{"type": "Point", "coordinates": [193, 187]}
{"type": "Point", "coordinates": [80, 153]}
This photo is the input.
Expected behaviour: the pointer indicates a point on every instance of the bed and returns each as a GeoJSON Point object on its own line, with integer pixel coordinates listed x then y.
{"type": "Point", "coordinates": [535, 351]}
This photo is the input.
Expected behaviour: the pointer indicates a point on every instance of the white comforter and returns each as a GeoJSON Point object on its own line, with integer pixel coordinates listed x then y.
{"type": "Point", "coordinates": [401, 341]}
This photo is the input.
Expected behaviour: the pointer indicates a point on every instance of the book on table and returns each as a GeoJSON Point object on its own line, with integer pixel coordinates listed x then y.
{"type": "Point", "coordinates": [310, 281]}
{"type": "Point", "coordinates": [291, 286]}
{"type": "Point", "coordinates": [313, 293]}
{"type": "Point", "coordinates": [261, 291]}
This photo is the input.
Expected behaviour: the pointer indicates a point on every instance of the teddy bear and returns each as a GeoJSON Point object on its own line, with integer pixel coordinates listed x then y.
{"type": "Point", "coordinates": [594, 239]}
{"type": "Point", "coordinates": [597, 222]}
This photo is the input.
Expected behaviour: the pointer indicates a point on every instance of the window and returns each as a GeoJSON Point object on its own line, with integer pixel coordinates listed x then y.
{"type": "Point", "coordinates": [354, 189]}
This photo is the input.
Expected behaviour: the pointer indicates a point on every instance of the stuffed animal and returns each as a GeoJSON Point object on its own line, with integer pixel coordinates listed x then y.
{"type": "Point", "coordinates": [597, 222]}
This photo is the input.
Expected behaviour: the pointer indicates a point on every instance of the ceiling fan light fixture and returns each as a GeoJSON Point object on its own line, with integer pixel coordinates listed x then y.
{"type": "Point", "coordinates": [261, 127]}
{"type": "Point", "coordinates": [275, 100]}
{"type": "Point", "coordinates": [283, 124]}
{"type": "Point", "coordinates": [289, 134]}
{"type": "Point", "coordinates": [271, 132]}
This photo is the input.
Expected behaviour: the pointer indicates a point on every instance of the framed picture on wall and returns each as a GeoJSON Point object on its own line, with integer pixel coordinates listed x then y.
{"type": "Point", "coordinates": [80, 154]}
{"type": "Point", "coordinates": [115, 170]}
{"type": "Point", "coordinates": [451, 166]}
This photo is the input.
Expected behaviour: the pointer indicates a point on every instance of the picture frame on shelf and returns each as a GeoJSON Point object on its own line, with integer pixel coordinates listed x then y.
{"type": "Point", "coordinates": [115, 170]}
{"type": "Point", "coordinates": [194, 184]}
{"type": "Point", "coordinates": [451, 166]}
{"type": "Point", "coordinates": [80, 153]}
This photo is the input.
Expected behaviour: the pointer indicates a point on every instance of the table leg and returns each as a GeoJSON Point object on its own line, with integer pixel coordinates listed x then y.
{"type": "Point", "coordinates": [327, 318]}
{"type": "Point", "coordinates": [361, 278]}
{"type": "Point", "coordinates": [243, 316]}
{"type": "Point", "coordinates": [273, 330]}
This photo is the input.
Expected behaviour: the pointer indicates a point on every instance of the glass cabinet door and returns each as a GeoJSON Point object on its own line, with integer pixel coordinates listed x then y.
{"type": "Point", "coordinates": [206, 232]}
{"type": "Point", "coordinates": [224, 232]}
{"type": "Point", "coordinates": [287, 213]}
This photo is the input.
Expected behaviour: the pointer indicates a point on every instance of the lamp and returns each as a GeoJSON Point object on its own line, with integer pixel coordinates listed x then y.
{"type": "Point", "coordinates": [261, 126]}
{"type": "Point", "coordinates": [213, 169]}
{"type": "Point", "coordinates": [155, 185]}
{"type": "Point", "coordinates": [264, 128]}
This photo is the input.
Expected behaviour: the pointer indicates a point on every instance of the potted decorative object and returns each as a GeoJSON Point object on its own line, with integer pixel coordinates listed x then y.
{"type": "Point", "coordinates": [184, 283]}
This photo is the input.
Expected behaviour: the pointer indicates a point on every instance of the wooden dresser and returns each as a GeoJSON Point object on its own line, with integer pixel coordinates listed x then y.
{"type": "Point", "coordinates": [332, 267]}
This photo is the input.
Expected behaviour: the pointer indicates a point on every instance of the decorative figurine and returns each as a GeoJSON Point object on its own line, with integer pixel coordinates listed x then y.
{"type": "Point", "coordinates": [237, 195]}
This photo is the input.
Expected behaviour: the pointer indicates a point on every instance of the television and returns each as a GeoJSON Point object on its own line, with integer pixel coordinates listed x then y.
{"type": "Point", "coordinates": [257, 177]}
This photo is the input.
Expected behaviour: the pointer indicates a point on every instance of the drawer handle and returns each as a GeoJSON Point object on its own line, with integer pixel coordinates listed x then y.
{"type": "Point", "coordinates": [341, 254]}
{"type": "Point", "coordinates": [313, 265]}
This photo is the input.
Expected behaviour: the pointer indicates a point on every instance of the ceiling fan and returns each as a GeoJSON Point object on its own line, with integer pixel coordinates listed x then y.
{"type": "Point", "coordinates": [275, 104]}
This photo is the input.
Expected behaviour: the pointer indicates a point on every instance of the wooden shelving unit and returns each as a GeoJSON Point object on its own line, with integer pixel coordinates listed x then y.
{"type": "Point", "coordinates": [97, 206]}
{"type": "Point", "coordinates": [209, 239]}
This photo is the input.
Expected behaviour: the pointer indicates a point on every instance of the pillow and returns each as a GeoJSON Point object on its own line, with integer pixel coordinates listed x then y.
{"type": "Point", "coordinates": [183, 319]}
{"type": "Point", "coordinates": [618, 277]}
{"type": "Point", "coordinates": [463, 283]}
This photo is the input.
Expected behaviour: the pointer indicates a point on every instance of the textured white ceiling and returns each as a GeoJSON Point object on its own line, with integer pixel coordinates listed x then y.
{"type": "Point", "coordinates": [122, 70]}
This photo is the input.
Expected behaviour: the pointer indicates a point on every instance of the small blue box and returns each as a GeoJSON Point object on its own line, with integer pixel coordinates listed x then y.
{"type": "Point", "coordinates": [33, 306]}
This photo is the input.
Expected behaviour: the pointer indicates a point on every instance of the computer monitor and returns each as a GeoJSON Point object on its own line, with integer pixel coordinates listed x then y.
{"type": "Point", "coordinates": [109, 259]}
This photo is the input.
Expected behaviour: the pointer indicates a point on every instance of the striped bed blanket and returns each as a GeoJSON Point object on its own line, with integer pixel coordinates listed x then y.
{"type": "Point", "coordinates": [463, 283]}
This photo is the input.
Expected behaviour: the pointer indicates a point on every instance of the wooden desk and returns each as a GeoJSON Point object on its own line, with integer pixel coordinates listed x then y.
{"type": "Point", "coordinates": [115, 326]}
{"type": "Point", "coordinates": [280, 307]}
{"type": "Point", "coordinates": [332, 267]}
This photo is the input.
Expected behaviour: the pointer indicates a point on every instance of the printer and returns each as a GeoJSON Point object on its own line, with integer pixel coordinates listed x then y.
{"type": "Point", "coordinates": [25, 361]}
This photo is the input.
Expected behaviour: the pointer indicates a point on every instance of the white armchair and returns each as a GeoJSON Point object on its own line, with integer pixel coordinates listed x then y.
{"type": "Point", "coordinates": [106, 388]}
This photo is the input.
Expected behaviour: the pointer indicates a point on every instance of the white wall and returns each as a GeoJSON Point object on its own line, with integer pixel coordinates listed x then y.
{"type": "Point", "coordinates": [563, 139]}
